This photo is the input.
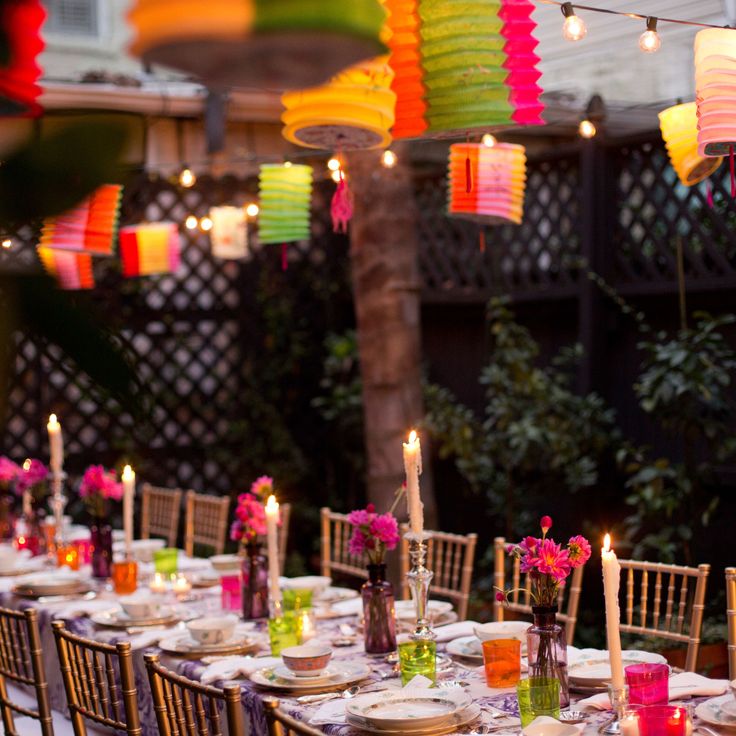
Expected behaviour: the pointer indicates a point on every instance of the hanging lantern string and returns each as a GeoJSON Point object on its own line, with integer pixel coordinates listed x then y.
{"type": "Point", "coordinates": [634, 16]}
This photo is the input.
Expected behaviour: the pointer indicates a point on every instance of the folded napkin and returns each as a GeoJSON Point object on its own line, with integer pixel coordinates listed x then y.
{"type": "Point", "coordinates": [537, 726]}
{"type": "Point", "coordinates": [682, 685]}
{"type": "Point", "coordinates": [453, 631]}
{"type": "Point", "coordinates": [76, 609]}
{"type": "Point", "coordinates": [150, 637]}
{"type": "Point", "coordinates": [231, 668]}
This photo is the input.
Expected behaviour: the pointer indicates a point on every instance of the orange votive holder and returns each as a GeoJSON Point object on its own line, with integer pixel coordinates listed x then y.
{"type": "Point", "coordinates": [67, 554]}
{"type": "Point", "coordinates": [502, 660]}
{"type": "Point", "coordinates": [125, 577]}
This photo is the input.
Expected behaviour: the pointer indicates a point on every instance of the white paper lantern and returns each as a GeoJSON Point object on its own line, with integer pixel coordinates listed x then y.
{"type": "Point", "coordinates": [229, 233]}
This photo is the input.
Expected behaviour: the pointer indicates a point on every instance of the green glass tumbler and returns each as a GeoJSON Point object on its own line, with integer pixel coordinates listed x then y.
{"type": "Point", "coordinates": [295, 599]}
{"type": "Point", "coordinates": [283, 632]}
{"type": "Point", "coordinates": [418, 657]}
{"type": "Point", "coordinates": [538, 696]}
{"type": "Point", "coordinates": [166, 561]}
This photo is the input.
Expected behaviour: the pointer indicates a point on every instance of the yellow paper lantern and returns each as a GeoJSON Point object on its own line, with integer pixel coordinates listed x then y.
{"type": "Point", "coordinates": [679, 126]}
{"type": "Point", "coordinates": [72, 271]}
{"type": "Point", "coordinates": [355, 109]}
{"type": "Point", "coordinates": [150, 248]}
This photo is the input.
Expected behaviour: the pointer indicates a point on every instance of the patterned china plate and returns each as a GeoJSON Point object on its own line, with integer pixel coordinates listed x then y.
{"type": "Point", "coordinates": [468, 647]}
{"type": "Point", "coordinates": [711, 711]}
{"type": "Point", "coordinates": [405, 610]}
{"type": "Point", "coordinates": [456, 721]}
{"type": "Point", "coordinates": [596, 671]}
{"type": "Point", "coordinates": [326, 675]}
{"type": "Point", "coordinates": [77, 587]}
{"type": "Point", "coordinates": [333, 594]}
{"type": "Point", "coordinates": [182, 645]}
{"type": "Point", "coordinates": [345, 673]}
{"type": "Point", "coordinates": [117, 619]}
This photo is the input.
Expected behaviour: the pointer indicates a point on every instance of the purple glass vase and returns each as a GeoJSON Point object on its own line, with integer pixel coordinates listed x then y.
{"type": "Point", "coordinates": [379, 624]}
{"type": "Point", "coordinates": [547, 649]}
{"type": "Point", "coordinates": [254, 583]}
{"type": "Point", "coordinates": [101, 541]}
{"type": "Point", "coordinates": [7, 518]}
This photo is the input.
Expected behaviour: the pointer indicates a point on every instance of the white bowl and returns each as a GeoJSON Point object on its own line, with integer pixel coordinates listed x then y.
{"type": "Point", "coordinates": [546, 726]}
{"type": "Point", "coordinates": [225, 563]}
{"type": "Point", "coordinates": [307, 660]}
{"type": "Point", "coordinates": [140, 605]}
{"type": "Point", "coordinates": [212, 629]}
{"type": "Point", "coordinates": [315, 583]}
{"type": "Point", "coordinates": [502, 630]}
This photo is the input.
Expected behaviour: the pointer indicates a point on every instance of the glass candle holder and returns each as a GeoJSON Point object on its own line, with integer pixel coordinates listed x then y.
{"type": "Point", "coordinates": [282, 632]}
{"type": "Point", "coordinates": [166, 561]}
{"type": "Point", "coordinates": [502, 660]}
{"type": "Point", "coordinates": [418, 657]}
{"type": "Point", "coordinates": [306, 625]}
{"type": "Point", "coordinates": [295, 599]}
{"type": "Point", "coordinates": [231, 597]}
{"type": "Point", "coordinates": [67, 555]}
{"type": "Point", "coordinates": [124, 575]}
{"type": "Point", "coordinates": [664, 720]}
{"type": "Point", "coordinates": [538, 696]}
{"type": "Point", "coordinates": [84, 550]}
{"type": "Point", "coordinates": [648, 683]}
{"type": "Point", "coordinates": [158, 583]}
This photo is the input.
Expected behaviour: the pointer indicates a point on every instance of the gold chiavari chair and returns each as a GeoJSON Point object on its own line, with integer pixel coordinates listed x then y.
{"type": "Point", "coordinates": [451, 558]}
{"type": "Point", "coordinates": [667, 618]}
{"type": "Point", "coordinates": [285, 515]}
{"type": "Point", "coordinates": [206, 522]}
{"type": "Point", "coordinates": [187, 708]}
{"type": "Point", "coordinates": [21, 661]}
{"type": "Point", "coordinates": [336, 532]}
{"type": "Point", "coordinates": [731, 620]}
{"type": "Point", "coordinates": [282, 724]}
{"type": "Point", "coordinates": [160, 512]}
{"type": "Point", "coordinates": [520, 600]}
{"type": "Point", "coordinates": [90, 672]}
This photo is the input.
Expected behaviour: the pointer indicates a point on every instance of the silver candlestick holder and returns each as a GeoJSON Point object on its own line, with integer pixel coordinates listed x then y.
{"type": "Point", "coordinates": [419, 578]}
{"type": "Point", "coordinates": [619, 697]}
{"type": "Point", "coordinates": [58, 505]}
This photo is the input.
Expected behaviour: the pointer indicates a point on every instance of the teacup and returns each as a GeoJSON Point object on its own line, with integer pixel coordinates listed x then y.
{"type": "Point", "coordinates": [141, 605]}
{"type": "Point", "coordinates": [212, 629]}
{"type": "Point", "coordinates": [307, 660]}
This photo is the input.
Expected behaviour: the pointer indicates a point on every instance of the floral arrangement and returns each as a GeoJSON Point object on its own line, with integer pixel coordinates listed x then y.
{"type": "Point", "coordinates": [99, 486]}
{"type": "Point", "coordinates": [9, 473]}
{"type": "Point", "coordinates": [373, 534]}
{"type": "Point", "coordinates": [250, 515]}
{"type": "Point", "coordinates": [32, 478]}
{"type": "Point", "coordinates": [547, 563]}
{"type": "Point", "coordinates": [262, 487]}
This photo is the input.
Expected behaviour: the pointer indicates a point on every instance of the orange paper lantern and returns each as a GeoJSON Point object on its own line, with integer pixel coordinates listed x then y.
{"type": "Point", "coordinates": [150, 248]}
{"type": "Point", "coordinates": [72, 271]}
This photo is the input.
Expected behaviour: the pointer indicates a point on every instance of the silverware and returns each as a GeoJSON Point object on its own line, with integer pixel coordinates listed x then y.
{"type": "Point", "coordinates": [572, 716]}
{"type": "Point", "coordinates": [705, 729]}
{"type": "Point", "coordinates": [351, 692]}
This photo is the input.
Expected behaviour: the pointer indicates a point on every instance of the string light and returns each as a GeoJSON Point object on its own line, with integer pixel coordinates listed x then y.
{"type": "Point", "coordinates": [191, 222]}
{"type": "Point", "coordinates": [205, 224]}
{"type": "Point", "coordinates": [7, 243]}
{"type": "Point", "coordinates": [489, 140]}
{"type": "Point", "coordinates": [587, 129]}
{"type": "Point", "coordinates": [187, 179]}
{"type": "Point", "coordinates": [287, 164]}
{"type": "Point", "coordinates": [333, 164]}
{"type": "Point", "coordinates": [389, 159]}
{"type": "Point", "coordinates": [649, 41]}
{"type": "Point", "coordinates": [573, 29]}
{"type": "Point", "coordinates": [252, 210]}
{"type": "Point", "coordinates": [336, 175]}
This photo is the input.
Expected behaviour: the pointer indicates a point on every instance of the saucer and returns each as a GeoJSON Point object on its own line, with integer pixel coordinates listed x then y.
{"type": "Point", "coordinates": [282, 671]}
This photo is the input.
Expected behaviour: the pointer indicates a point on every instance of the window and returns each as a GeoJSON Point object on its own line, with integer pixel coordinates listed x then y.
{"type": "Point", "coordinates": [73, 17]}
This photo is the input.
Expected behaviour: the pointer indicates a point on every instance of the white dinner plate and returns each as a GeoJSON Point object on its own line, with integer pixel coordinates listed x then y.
{"type": "Point", "coordinates": [118, 619]}
{"type": "Point", "coordinates": [406, 610]}
{"type": "Point", "coordinates": [450, 725]}
{"type": "Point", "coordinates": [282, 671]}
{"type": "Point", "coordinates": [468, 647]}
{"type": "Point", "coordinates": [334, 594]}
{"type": "Point", "coordinates": [711, 711]}
{"type": "Point", "coordinates": [345, 673]}
{"type": "Point", "coordinates": [596, 671]}
{"type": "Point", "coordinates": [184, 645]}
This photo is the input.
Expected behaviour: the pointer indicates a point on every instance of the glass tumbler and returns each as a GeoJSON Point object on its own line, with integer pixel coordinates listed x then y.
{"type": "Point", "coordinates": [502, 660]}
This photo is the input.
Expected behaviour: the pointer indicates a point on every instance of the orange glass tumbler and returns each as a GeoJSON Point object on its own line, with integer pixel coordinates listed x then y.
{"type": "Point", "coordinates": [502, 660]}
{"type": "Point", "coordinates": [125, 577]}
{"type": "Point", "coordinates": [67, 555]}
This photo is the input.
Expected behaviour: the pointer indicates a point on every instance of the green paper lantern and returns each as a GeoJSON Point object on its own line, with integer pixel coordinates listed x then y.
{"type": "Point", "coordinates": [285, 199]}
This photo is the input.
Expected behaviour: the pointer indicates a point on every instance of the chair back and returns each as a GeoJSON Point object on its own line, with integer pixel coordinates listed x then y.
{"type": "Point", "coordinates": [678, 616]}
{"type": "Point", "coordinates": [520, 600]}
{"type": "Point", "coordinates": [282, 724]}
{"type": "Point", "coordinates": [187, 708]}
{"type": "Point", "coordinates": [99, 682]}
{"type": "Point", "coordinates": [285, 514]}
{"type": "Point", "coordinates": [206, 522]}
{"type": "Point", "coordinates": [336, 556]}
{"type": "Point", "coordinates": [21, 661]}
{"type": "Point", "coordinates": [160, 512]}
{"type": "Point", "coordinates": [451, 558]}
{"type": "Point", "coordinates": [731, 620]}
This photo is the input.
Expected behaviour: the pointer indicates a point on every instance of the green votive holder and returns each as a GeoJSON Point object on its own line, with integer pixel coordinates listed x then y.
{"type": "Point", "coordinates": [295, 599]}
{"type": "Point", "coordinates": [418, 657]}
{"type": "Point", "coordinates": [538, 696]}
{"type": "Point", "coordinates": [166, 561]}
{"type": "Point", "coordinates": [283, 632]}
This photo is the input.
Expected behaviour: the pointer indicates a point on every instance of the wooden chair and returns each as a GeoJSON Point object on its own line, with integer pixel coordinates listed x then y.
{"type": "Point", "coordinates": [451, 558]}
{"type": "Point", "coordinates": [90, 672]}
{"type": "Point", "coordinates": [520, 599]}
{"type": "Point", "coordinates": [21, 661]}
{"type": "Point", "coordinates": [205, 522]}
{"type": "Point", "coordinates": [731, 620]}
{"type": "Point", "coordinates": [685, 601]}
{"type": "Point", "coordinates": [336, 532]}
{"type": "Point", "coordinates": [282, 724]}
{"type": "Point", "coordinates": [285, 512]}
{"type": "Point", "coordinates": [160, 512]}
{"type": "Point", "coordinates": [187, 708]}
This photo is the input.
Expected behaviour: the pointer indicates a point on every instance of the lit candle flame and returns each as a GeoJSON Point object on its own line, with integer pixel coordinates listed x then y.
{"type": "Point", "coordinates": [27, 464]}
{"type": "Point", "coordinates": [607, 543]}
{"type": "Point", "coordinates": [128, 473]}
{"type": "Point", "coordinates": [271, 505]}
{"type": "Point", "coordinates": [412, 437]}
{"type": "Point", "coordinates": [53, 421]}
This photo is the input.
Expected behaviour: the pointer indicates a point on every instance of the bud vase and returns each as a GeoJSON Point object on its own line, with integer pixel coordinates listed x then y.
{"type": "Point", "coordinates": [7, 518]}
{"type": "Point", "coordinates": [254, 583]}
{"type": "Point", "coordinates": [547, 649]}
{"type": "Point", "coordinates": [379, 625]}
{"type": "Point", "coordinates": [101, 540]}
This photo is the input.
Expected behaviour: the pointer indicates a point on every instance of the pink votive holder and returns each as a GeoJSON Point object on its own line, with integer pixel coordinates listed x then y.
{"type": "Point", "coordinates": [664, 720]}
{"type": "Point", "coordinates": [84, 550]}
{"type": "Point", "coordinates": [648, 683]}
{"type": "Point", "coordinates": [230, 598]}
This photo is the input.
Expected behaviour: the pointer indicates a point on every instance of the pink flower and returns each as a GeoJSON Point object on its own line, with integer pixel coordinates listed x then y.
{"type": "Point", "coordinates": [386, 529]}
{"type": "Point", "coordinates": [358, 543]}
{"type": "Point", "coordinates": [371, 508]}
{"type": "Point", "coordinates": [500, 596]}
{"type": "Point", "coordinates": [262, 487]}
{"type": "Point", "coordinates": [97, 481]}
{"type": "Point", "coordinates": [236, 530]}
{"type": "Point", "coordinates": [546, 524]}
{"type": "Point", "coordinates": [32, 474]}
{"type": "Point", "coordinates": [9, 471]}
{"type": "Point", "coordinates": [361, 517]}
{"type": "Point", "coordinates": [578, 551]}
{"type": "Point", "coordinates": [553, 561]}
{"type": "Point", "coordinates": [251, 517]}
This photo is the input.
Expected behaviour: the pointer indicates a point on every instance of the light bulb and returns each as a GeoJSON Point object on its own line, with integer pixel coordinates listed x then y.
{"type": "Point", "coordinates": [586, 129]}
{"type": "Point", "coordinates": [191, 222]}
{"type": "Point", "coordinates": [649, 41]}
{"type": "Point", "coordinates": [187, 178]}
{"type": "Point", "coordinates": [336, 176]}
{"type": "Point", "coordinates": [333, 164]}
{"type": "Point", "coordinates": [205, 224]}
{"type": "Point", "coordinates": [388, 159]}
{"type": "Point", "coordinates": [287, 164]}
{"type": "Point", "coordinates": [573, 29]}
{"type": "Point", "coordinates": [489, 140]}
{"type": "Point", "coordinates": [252, 210]}
{"type": "Point", "coordinates": [7, 243]}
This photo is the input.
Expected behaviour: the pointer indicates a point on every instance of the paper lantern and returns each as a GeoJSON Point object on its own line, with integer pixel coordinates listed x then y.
{"type": "Point", "coordinates": [21, 22]}
{"type": "Point", "coordinates": [229, 233]}
{"type": "Point", "coordinates": [715, 90]}
{"type": "Point", "coordinates": [90, 227]}
{"type": "Point", "coordinates": [679, 125]}
{"type": "Point", "coordinates": [71, 270]}
{"type": "Point", "coordinates": [405, 61]}
{"type": "Point", "coordinates": [285, 198]}
{"type": "Point", "coordinates": [355, 109]}
{"type": "Point", "coordinates": [269, 44]}
{"type": "Point", "coordinates": [479, 65]}
{"type": "Point", "coordinates": [486, 184]}
{"type": "Point", "coordinates": [150, 248]}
